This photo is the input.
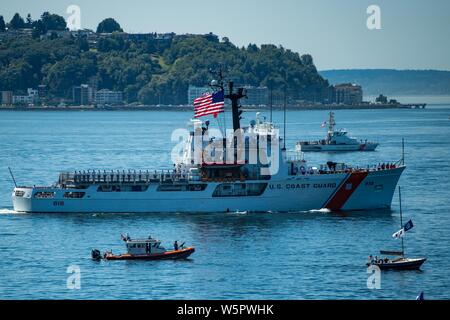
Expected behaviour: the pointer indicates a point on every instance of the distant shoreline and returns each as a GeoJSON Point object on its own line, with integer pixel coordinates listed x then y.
{"type": "Point", "coordinates": [190, 108]}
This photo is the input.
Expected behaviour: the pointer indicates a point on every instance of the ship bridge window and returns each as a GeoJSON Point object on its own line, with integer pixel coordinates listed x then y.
{"type": "Point", "coordinates": [197, 187]}
{"type": "Point", "coordinates": [44, 195]}
{"type": "Point", "coordinates": [182, 187]}
{"type": "Point", "coordinates": [240, 190]}
{"type": "Point", "coordinates": [19, 193]}
{"type": "Point", "coordinates": [74, 195]}
{"type": "Point", "coordinates": [122, 188]}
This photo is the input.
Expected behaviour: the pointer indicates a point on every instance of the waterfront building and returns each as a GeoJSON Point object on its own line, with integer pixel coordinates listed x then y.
{"type": "Point", "coordinates": [348, 93]}
{"type": "Point", "coordinates": [42, 91]}
{"type": "Point", "coordinates": [105, 96]}
{"type": "Point", "coordinates": [7, 98]}
{"type": "Point", "coordinates": [82, 95]}
{"type": "Point", "coordinates": [21, 99]}
{"type": "Point", "coordinates": [31, 97]}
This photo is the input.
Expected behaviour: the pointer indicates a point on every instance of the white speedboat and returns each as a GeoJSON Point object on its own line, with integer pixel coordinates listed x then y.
{"type": "Point", "coordinates": [336, 140]}
{"type": "Point", "coordinates": [259, 177]}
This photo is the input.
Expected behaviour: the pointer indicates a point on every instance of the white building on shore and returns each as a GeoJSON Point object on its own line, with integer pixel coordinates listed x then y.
{"type": "Point", "coordinates": [31, 97]}
{"type": "Point", "coordinates": [105, 96]}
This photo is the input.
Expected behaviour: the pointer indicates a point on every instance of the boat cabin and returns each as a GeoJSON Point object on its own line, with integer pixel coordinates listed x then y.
{"type": "Point", "coordinates": [144, 246]}
{"type": "Point", "coordinates": [341, 137]}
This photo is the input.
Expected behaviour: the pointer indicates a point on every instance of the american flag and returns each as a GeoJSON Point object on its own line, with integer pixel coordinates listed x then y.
{"type": "Point", "coordinates": [209, 103]}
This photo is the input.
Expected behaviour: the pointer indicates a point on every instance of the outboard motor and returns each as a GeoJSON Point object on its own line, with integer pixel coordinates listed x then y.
{"type": "Point", "coordinates": [96, 254]}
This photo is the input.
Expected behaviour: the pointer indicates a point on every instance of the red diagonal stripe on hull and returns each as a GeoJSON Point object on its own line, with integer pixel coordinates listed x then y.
{"type": "Point", "coordinates": [345, 191]}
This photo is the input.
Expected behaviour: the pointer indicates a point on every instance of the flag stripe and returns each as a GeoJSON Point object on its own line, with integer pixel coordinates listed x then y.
{"type": "Point", "coordinates": [208, 113]}
{"type": "Point", "coordinates": [205, 96]}
{"type": "Point", "coordinates": [209, 109]}
{"type": "Point", "coordinates": [199, 106]}
{"type": "Point", "coordinates": [212, 105]}
{"type": "Point", "coordinates": [212, 111]}
{"type": "Point", "coordinates": [196, 103]}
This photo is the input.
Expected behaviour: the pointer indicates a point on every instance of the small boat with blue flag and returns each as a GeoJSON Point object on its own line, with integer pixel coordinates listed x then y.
{"type": "Point", "coordinates": [396, 260]}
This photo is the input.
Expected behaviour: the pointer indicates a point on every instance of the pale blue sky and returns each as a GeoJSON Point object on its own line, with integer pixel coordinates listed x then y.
{"type": "Point", "coordinates": [415, 33]}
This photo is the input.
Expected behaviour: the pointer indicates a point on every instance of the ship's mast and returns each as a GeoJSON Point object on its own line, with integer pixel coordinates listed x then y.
{"type": "Point", "coordinates": [235, 106]}
{"type": "Point", "coordinates": [331, 125]}
{"type": "Point", "coordinates": [218, 84]}
{"type": "Point", "coordinates": [401, 218]}
{"type": "Point", "coordinates": [235, 97]}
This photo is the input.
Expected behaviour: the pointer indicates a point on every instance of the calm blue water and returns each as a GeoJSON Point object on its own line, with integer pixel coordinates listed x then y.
{"type": "Point", "coordinates": [313, 255]}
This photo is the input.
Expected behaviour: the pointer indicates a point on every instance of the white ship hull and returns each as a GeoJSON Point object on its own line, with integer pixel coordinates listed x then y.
{"type": "Point", "coordinates": [337, 147]}
{"type": "Point", "coordinates": [356, 190]}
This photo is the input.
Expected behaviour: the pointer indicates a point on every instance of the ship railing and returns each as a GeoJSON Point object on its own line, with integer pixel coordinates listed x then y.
{"type": "Point", "coordinates": [324, 169]}
{"type": "Point", "coordinates": [146, 177]}
{"type": "Point", "coordinates": [36, 187]}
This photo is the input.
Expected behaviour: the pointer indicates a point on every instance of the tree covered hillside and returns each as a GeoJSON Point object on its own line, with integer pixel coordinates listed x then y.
{"type": "Point", "coordinates": [145, 71]}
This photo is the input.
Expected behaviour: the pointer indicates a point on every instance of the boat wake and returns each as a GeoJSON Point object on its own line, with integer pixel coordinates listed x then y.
{"type": "Point", "coordinates": [7, 211]}
{"type": "Point", "coordinates": [323, 210]}
{"type": "Point", "coordinates": [238, 212]}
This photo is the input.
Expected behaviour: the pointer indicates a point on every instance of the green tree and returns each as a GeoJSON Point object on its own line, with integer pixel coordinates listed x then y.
{"type": "Point", "coordinates": [83, 44]}
{"type": "Point", "coordinates": [38, 28]}
{"type": "Point", "coordinates": [110, 43]}
{"type": "Point", "coordinates": [17, 22]}
{"type": "Point", "coordinates": [18, 75]}
{"type": "Point", "coordinates": [53, 21]}
{"type": "Point", "coordinates": [109, 25]}
{"type": "Point", "coordinates": [63, 75]}
{"type": "Point", "coordinates": [2, 24]}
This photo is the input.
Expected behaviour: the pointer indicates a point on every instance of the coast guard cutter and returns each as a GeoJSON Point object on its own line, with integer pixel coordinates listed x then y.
{"type": "Point", "coordinates": [239, 184]}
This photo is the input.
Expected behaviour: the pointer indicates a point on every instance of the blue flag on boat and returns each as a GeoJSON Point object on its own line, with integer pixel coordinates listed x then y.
{"type": "Point", "coordinates": [400, 233]}
{"type": "Point", "coordinates": [408, 225]}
